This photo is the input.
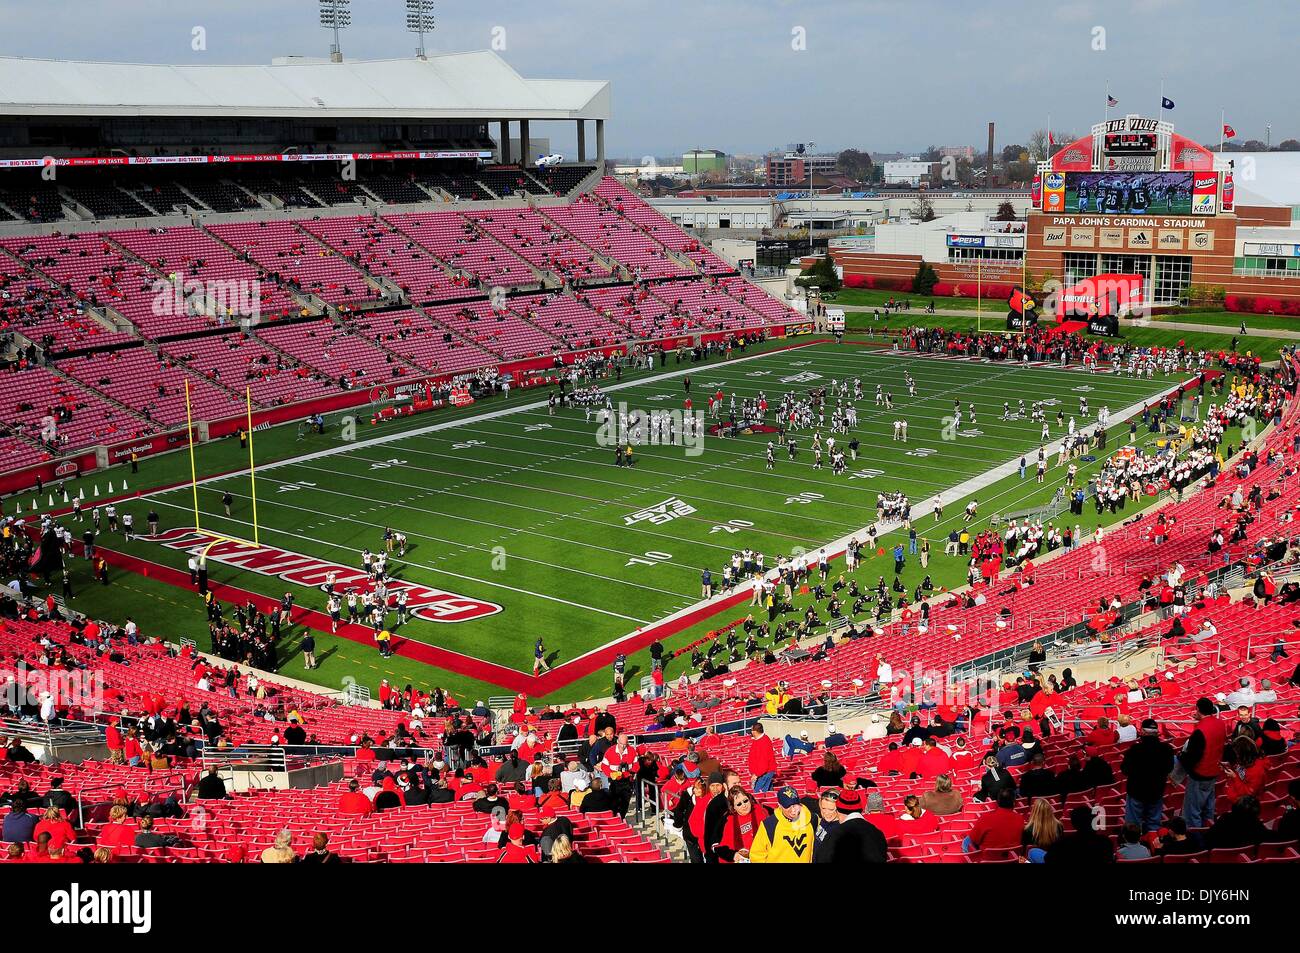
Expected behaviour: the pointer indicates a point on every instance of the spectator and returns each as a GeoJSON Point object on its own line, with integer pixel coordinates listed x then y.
{"type": "Point", "coordinates": [1240, 827]}
{"type": "Point", "coordinates": [762, 759]}
{"type": "Point", "coordinates": [1038, 781]}
{"type": "Point", "coordinates": [1177, 839]}
{"type": "Point", "coordinates": [1084, 845]}
{"type": "Point", "coordinates": [854, 840]}
{"type": "Point", "coordinates": [1131, 846]}
{"type": "Point", "coordinates": [1248, 772]}
{"type": "Point", "coordinates": [743, 817]}
{"type": "Point", "coordinates": [281, 852]}
{"type": "Point", "coordinates": [118, 832]}
{"type": "Point", "coordinates": [320, 852]}
{"type": "Point", "coordinates": [56, 825]}
{"type": "Point", "coordinates": [211, 787]}
{"type": "Point", "coordinates": [598, 798]}
{"type": "Point", "coordinates": [146, 837]}
{"type": "Point", "coordinates": [942, 799]}
{"type": "Point", "coordinates": [1146, 768]}
{"type": "Point", "coordinates": [515, 851]}
{"type": "Point", "coordinates": [998, 829]}
{"type": "Point", "coordinates": [19, 823]}
{"type": "Point", "coordinates": [786, 835]}
{"type": "Point", "coordinates": [353, 801]}
{"type": "Point", "coordinates": [1042, 831]}
{"type": "Point", "coordinates": [1201, 759]}
{"type": "Point", "coordinates": [562, 851]}
{"type": "Point", "coordinates": [831, 773]}
{"type": "Point", "coordinates": [996, 779]}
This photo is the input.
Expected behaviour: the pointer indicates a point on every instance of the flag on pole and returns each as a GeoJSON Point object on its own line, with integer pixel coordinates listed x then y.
{"type": "Point", "coordinates": [1051, 139]}
{"type": "Point", "coordinates": [1111, 101]}
{"type": "Point", "coordinates": [1166, 102]}
{"type": "Point", "coordinates": [1228, 131]}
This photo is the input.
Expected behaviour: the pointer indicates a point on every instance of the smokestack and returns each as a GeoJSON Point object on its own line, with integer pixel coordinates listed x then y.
{"type": "Point", "coordinates": [988, 168]}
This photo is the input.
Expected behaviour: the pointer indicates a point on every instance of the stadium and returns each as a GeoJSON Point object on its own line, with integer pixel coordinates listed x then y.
{"type": "Point", "coordinates": [381, 486]}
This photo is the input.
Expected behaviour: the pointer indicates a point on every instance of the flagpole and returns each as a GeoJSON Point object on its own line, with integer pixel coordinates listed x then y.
{"type": "Point", "coordinates": [1161, 113]}
{"type": "Point", "coordinates": [1222, 116]}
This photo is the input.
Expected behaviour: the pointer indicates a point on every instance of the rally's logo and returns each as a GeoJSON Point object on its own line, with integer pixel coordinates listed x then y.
{"type": "Point", "coordinates": [435, 605]}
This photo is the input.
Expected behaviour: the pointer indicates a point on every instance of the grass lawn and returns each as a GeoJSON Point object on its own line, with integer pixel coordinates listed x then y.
{"type": "Point", "coordinates": [871, 298]}
{"type": "Point", "coordinates": [1230, 321]}
{"type": "Point", "coordinates": [527, 510]}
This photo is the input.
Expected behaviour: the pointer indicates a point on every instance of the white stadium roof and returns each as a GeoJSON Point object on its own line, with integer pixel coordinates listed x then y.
{"type": "Point", "coordinates": [479, 85]}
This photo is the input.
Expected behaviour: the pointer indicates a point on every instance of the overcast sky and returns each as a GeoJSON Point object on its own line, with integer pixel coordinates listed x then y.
{"type": "Point", "coordinates": [725, 74]}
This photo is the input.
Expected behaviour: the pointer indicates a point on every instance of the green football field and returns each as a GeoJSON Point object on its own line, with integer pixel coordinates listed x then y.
{"type": "Point", "coordinates": [517, 508]}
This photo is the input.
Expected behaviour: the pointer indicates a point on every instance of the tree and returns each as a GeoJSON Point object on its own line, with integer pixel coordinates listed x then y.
{"type": "Point", "coordinates": [856, 163]}
{"type": "Point", "coordinates": [1019, 171]}
{"type": "Point", "coordinates": [1006, 213]}
{"type": "Point", "coordinates": [1289, 145]}
{"type": "Point", "coordinates": [925, 279]}
{"type": "Point", "coordinates": [1013, 153]}
{"type": "Point", "coordinates": [821, 275]}
{"type": "Point", "coordinates": [1038, 143]}
{"type": "Point", "coordinates": [922, 209]}
{"type": "Point", "coordinates": [932, 154]}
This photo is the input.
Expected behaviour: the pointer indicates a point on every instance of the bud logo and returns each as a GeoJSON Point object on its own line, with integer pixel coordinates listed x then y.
{"type": "Point", "coordinates": [77, 907]}
{"type": "Point", "coordinates": [434, 605]}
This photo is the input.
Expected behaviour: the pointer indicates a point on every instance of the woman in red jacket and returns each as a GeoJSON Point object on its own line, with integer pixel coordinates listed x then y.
{"type": "Point", "coordinates": [744, 814]}
{"type": "Point", "coordinates": [118, 832]}
{"type": "Point", "coordinates": [53, 823]}
{"type": "Point", "coordinates": [1248, 774]}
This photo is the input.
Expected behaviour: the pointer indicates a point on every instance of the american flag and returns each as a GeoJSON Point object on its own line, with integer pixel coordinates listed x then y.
{"type": "Point", "coordinates": [1111, 100]}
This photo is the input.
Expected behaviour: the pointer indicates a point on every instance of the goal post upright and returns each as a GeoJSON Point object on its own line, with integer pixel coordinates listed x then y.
{"type": "Point", "coordinates": [194, 478]}
{"type": "Point", "coordinates": [252, 466]}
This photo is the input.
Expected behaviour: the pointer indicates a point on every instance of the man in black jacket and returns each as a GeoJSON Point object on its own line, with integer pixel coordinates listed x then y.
{"type": "Point", "coordinates": [854, 840]}
{"type": "Point", "coordinates": [1039, 780]}
{"type": "Point", "coordinates": [716, 814]}
{"type": "Point", "coordinates": [1146, 767]}
{"type": "Point", "coordinates": [211, 787]}
{"type": "Point", "coordinates": [1083, 845]}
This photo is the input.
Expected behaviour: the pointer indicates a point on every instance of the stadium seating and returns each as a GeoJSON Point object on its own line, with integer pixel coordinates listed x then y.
{"type": "Point", "coordinates": [152, 386]}
{"type": "Point", "coordinates": [500, 332]}
{"type": "Point", "coordinates": [613, 236]}
{"type": "Point", "coordinates": [508, 181]}
{"type": "Point", "coordinates": [238, 361]}
{"type": "Point", "coordinates": [34, 393]}
{"type": "Point", "coordinates": [413, 336]}
{"type": "Point", "coordinates": [384, 252]}
{"type": "Point", "coordinates": [293, 257]}
{"type": "Point", "coordinates": [454, 240]}
{"type": "Point", "coordinates": [48, 316]}
{"type": "Point", "coordinates": [639, 212]}
{"type": "Point", "coordinates": [561, 179]}
{"type": "Point", "coordinates": [541, 243]}
{"type": "Point", "coordinates": [567, 319]}
{"type": "Point", "coordinates": [184, 253]}
{"type": "Point", "coordinates": [347, 358]}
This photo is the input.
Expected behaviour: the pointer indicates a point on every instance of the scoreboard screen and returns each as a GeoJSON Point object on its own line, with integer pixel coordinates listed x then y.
{"type": "Point", "coordinates": [1130, 143]}
{"type": "Point", "coordinates": [1131, 193]}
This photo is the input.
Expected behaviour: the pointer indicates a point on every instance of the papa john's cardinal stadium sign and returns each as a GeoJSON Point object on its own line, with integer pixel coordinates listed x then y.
{"type": "Point", "coordinates": [435, 605]}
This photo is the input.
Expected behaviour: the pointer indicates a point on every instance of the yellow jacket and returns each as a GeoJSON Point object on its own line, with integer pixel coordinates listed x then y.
{"type": "Point", "coordinates": [780, 840]}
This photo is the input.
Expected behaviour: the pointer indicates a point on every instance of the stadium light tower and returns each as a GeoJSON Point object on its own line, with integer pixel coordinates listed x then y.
{"type": "Point", "coordinates": [335, 15]}
{"type": "Point", "coordinates": [419, 20]}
